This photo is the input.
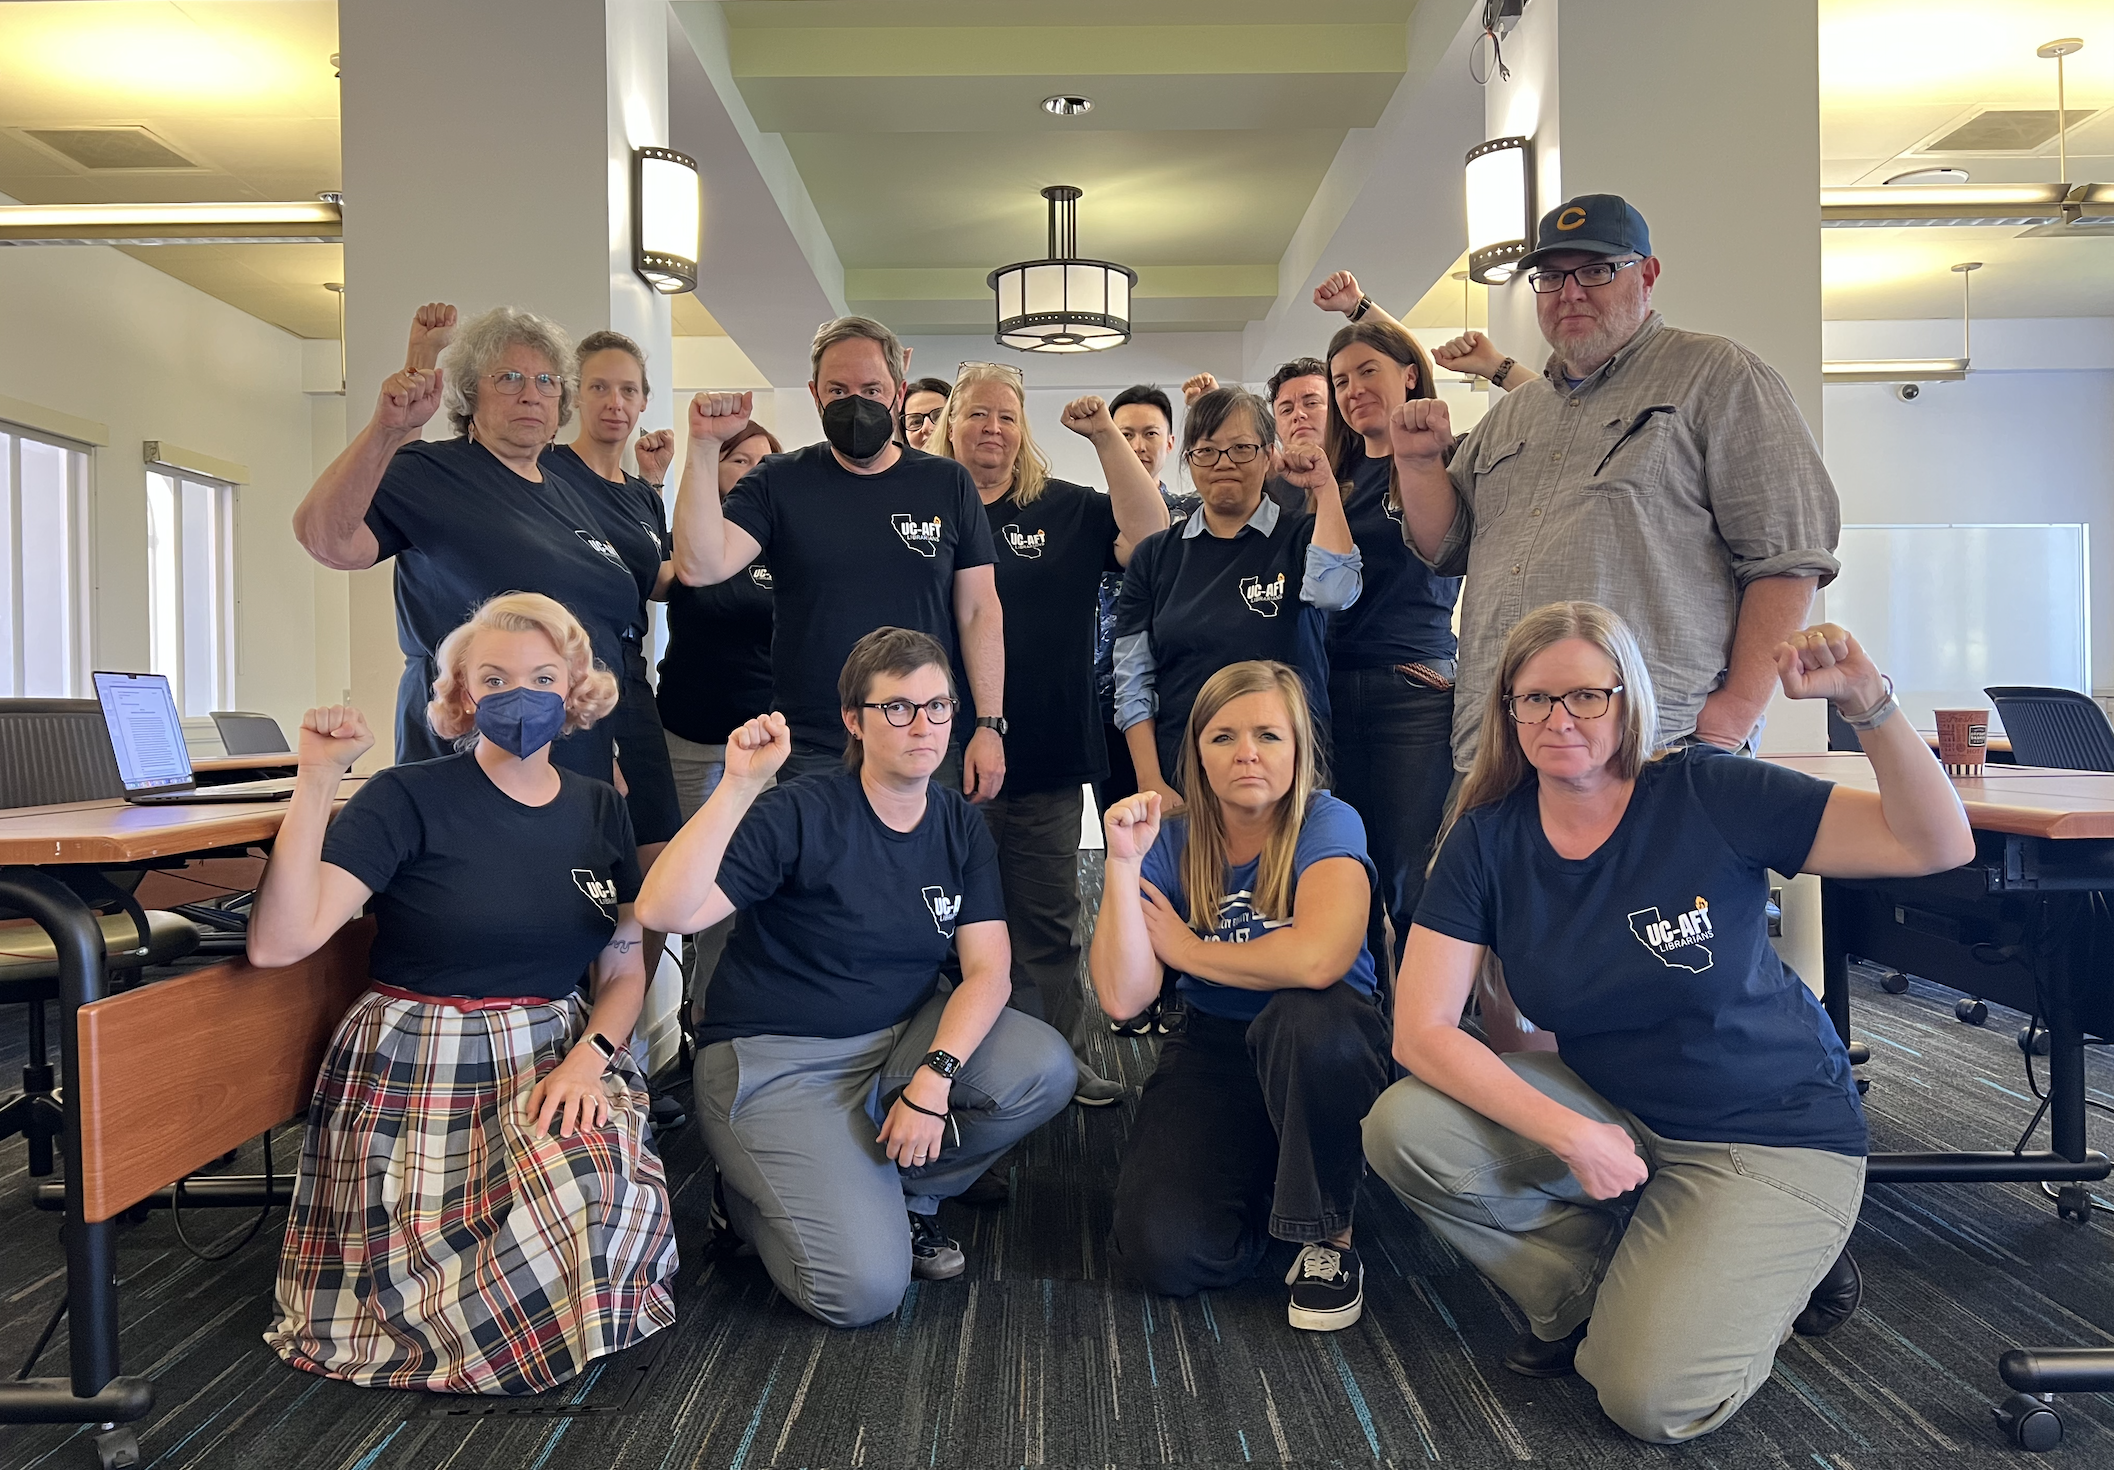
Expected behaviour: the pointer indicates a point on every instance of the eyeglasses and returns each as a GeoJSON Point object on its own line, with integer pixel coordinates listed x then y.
{"type": "Point", "coordinates": [916, 421]}
{"type": "Point", "coordinates": [510, 383]}
{"type": "Point", "coordinates": [1592, 273]}
{"type": "Point", "coordinates": [901, 712]}
{"type": "Point", "coordinates": [1203, 457]}
{"type": "Point", "coordinates": [1584, 704]}
{"type": "Point", "coordinates": [1006, 368]}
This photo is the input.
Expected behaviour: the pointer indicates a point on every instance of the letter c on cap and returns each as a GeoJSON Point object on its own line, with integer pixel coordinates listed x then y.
{"type": "Point", "coordinates": [1571, 218]}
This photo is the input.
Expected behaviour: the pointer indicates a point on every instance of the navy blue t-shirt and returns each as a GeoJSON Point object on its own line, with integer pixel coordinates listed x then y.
{"type": "Point", "coordinates": [1331, 830]}
{"type": "Point", "coordinates": [1405, 613]}
{"type": "Point", "coordinates": [476, 894]}
{"type": "Point", "coordinates": [633, 520]}
{"type": "Point", "coordinates": [1651, 960]}
{"type": "Point", "coordinates": [843, 921]}
{"type": "Point", "coordinates": [852, 553]}
{"type": "Point", "coordinates": [716, 674]}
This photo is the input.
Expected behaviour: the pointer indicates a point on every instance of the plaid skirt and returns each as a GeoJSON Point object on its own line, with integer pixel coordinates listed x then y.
{"type": "Point", "coordinates": [436, 1241]}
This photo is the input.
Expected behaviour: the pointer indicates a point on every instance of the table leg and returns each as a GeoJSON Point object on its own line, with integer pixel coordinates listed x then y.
{"type": "Point", "coordinates": [94, 1393]}
{"type": "Point", "coordinates": [1834, 960]}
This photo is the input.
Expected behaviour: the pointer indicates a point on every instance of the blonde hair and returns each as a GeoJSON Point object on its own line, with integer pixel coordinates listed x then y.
{"type": "Point", "coordinates": [593, 688]}
{"type": "Point", "coordinates": [1501, 766]}
{"type": "Point", "coordinates": [1204, 856]}
{"type": "Point", "coordinates": [1031, 468]}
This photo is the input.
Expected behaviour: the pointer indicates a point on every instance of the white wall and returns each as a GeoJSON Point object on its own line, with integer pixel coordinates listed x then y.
{"type": "Point", "coordinates": [92, 332]}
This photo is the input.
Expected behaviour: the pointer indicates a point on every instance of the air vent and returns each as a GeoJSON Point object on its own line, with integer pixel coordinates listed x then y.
{"type": "Point", "coordinates": [110, 148]}
{"type": "Point", "coordinates": [2000, 130]}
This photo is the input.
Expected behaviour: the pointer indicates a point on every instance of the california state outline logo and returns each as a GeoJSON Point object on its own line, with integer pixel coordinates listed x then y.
{"type": "Point", "coordinates": [923, 537]}
{"type": "Point", "coordinates": [1027, 545]}
{"type": "Point", "coordinates": [1263, 597]}
{"type": "Point", "coordinates": [761, 576]}
{"type": "Point", "coordinates": [1679, 941]}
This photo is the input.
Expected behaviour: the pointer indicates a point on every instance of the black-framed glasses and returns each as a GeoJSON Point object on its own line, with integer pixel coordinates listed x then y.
{"type": "Point", "coordinates": [901, 712]}
{"type": "Point", "coordinates": [916, 421]}
{"type": "Point", "coordinates": [1584, 704]}
{"type": "Point", "coordinates": [510, 383]}
{"type": "Point", "coordinates": [1592, 273]}
{"type": "Point", "coordinates": [1203, 457]}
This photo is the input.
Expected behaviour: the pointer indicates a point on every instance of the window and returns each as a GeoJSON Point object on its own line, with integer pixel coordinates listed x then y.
{"type": "Point", "coordinates": [43, 566]}
{"type": "Point", "coordinates": [190, 587]}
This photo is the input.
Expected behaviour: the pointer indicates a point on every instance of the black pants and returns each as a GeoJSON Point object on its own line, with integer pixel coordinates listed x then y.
{"type": "Point", "coordinates": [642, 752]}
{"type": "Point", "coordinates": [1037, 833]}
{"type": "Point", "coordinates": [1394, 765]}
{"type": "Point", "coordinates": [1248, 1131]}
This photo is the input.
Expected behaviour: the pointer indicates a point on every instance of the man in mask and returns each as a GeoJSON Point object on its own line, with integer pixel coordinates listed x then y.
{"type": "Point", "coordinates": [860, 535]}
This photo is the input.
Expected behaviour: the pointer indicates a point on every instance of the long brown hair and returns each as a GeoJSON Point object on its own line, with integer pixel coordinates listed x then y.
{"type": "Point", "coordinates": [1204, 857]}
{"type": "Point", "coordinates": [1344, 445]}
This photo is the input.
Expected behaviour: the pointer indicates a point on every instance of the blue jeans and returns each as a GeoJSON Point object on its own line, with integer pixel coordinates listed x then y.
{"type": "Point", "coordinates": [1394, 764]}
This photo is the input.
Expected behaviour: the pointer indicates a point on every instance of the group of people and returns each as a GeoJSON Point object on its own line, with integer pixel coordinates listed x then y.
{"type": "Point", "coordinates": [1487, 918]}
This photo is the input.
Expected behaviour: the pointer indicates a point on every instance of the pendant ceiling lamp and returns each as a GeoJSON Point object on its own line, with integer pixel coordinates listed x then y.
{"type": "Point", "coordinates": [1063, 303]}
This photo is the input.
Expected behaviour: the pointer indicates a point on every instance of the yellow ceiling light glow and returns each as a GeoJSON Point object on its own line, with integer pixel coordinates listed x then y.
{"type": "Point", "coordinates": [299, 221]}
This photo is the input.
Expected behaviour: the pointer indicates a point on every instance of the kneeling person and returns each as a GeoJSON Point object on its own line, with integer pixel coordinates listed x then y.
{"type": "Point", "coordinates": [842, 1096]}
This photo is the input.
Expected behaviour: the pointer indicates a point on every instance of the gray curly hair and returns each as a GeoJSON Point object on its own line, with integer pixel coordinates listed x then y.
{"type": "Point", "coordinates": [478, 347]}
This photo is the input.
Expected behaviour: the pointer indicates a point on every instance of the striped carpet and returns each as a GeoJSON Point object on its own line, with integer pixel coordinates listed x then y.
{"type": "Point", "coordinates": [1039, 1357]}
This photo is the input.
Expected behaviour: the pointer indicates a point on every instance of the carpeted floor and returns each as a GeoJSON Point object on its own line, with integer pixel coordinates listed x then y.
{"type": "Point", "coordinates": [1039, 1357]}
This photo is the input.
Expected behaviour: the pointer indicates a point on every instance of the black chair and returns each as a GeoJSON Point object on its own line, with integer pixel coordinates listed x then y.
{"type": "Point", "coordinates": [244, 733]}
{"type": "Point", "coordinates": [2054, 727]}
{"type": "Point", "coordinates": [54, 751]}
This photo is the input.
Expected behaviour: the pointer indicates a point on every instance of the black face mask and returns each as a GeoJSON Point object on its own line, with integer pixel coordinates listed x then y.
{"type": "Point", "coordinates": [858, 428]}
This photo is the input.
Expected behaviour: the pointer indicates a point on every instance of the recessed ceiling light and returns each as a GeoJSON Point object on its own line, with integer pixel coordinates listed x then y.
{"type": "Point", "coordinates": [1067, 105]}
{"type": "Point", "coordinates": [1931, 176]}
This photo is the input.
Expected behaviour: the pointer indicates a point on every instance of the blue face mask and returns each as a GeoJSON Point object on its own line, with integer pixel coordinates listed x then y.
{"type": "Point", "coordinates": [521, 721]}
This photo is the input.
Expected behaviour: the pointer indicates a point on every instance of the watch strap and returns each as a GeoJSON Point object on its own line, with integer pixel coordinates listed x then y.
{"type": "Point", "coordinates": [944, 1063]}
{"type": "Point", "coordinates": [1365, 304]}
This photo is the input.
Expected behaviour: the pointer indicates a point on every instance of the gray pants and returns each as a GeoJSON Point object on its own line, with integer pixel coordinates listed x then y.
{"type": "Point", "coordinates": [791, 1122]}
{"type": "Point", "coordinates": [1038, 865]}
{"type": "Point", "coordinates": [1691, 1281]}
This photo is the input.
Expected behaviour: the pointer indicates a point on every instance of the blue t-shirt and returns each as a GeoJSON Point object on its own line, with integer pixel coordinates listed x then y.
{"type": "Point", "coordinates": [633, 520]}
{"type": "Point", "coordinates": [1331, 830]}
{"type": "Point", "coordinates": [1651, 960]}
{"type": "Point", "coordinates": [844, 921]}
{"type": "Point", "coordinates": [1405, 613]}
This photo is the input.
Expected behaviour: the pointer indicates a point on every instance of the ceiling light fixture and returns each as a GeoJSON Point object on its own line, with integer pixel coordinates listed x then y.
{"type": "Point", "coordinates": [667, 219]}
{"type": "Point", "coordinates": [1067, 105]}
{"type": "Point", "coordinates": [1062, 303]}
{"type": "Point", "coordinates": [296, 222]}
{"type": "Point", "coordinates": [337, 289]}
{"type": "Point", "coordinates": [1500, 183]}
{"type": "Point", "coordinates": [1915, 369]}
{"type": "Point", "coordinates": [1939, 175]}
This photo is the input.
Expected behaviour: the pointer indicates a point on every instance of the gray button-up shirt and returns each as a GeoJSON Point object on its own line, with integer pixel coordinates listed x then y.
{"type": "Point", "coordinates": [1659, 487]}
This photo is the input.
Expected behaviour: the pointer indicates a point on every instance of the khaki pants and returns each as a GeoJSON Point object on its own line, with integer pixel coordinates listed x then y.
{"type": "Point", "coordinates": [1691, 1281]}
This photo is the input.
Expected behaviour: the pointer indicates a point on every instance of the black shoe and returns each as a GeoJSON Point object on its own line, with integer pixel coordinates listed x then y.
{"type": "Point", "coordinates": [1139, 1025]}
{"type": "Point", "coordinates": [1533, 1358]}
{"type": "Point", "coordinates": [989, 1189]}
{"type": "Point", "coordinates": [669, 1115]}
{"type": "Point", "coordinates": [1834, 1301]}
{"type": "Point", "coordinates": [933, 1257]}
{"type": "Point", "coordinates": [1328, 1288]}
{"type": "Point", "coordinates": [724, 1236]}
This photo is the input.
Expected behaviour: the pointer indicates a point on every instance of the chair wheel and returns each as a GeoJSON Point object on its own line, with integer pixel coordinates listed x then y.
{"type": "Point", "coordinates": [2034, 1040]}
{"type": "Point", "coordinates": [2073, 1202]}
{"type": "Point", "coordinates": [118, 1448]}
{"type": "Point", "coordinates": [2030, 1423]}
{"type": "Point", "coordinates": [1893, 982]}
{"type": "Point", "coordinates": [1864, 1085]}
{"type": "Point", "coordinates": [1973, 1012]}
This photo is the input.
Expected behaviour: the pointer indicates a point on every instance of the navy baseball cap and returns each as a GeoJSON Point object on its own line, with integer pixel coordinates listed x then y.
{"type": "Point", "coordinates": [1599, 224]}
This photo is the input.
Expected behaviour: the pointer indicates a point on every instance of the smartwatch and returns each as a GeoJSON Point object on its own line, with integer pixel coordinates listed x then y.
{"type": "Point", "coordinates": [602, 1044]}
{"type": "Point", "coordinates": [992, 722]}
{"type": "Point", "coordinates": [1365, 304]}
{"type": "Point", "coordinates": [943, 1063]}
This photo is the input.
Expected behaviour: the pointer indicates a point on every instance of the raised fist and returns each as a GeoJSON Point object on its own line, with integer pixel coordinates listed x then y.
{"type": "Point", "coordinates": [432, 329]}
{"type": "Point", "coordinates": [1197, 387]}
{"type": "Point", "coordinates": [719, 416]}
{"type": "Point", "coordinates": [1339, 293]}
{"type": "Point", "coordinates": [1088, 416]}
{"type": "Point", "coordinates": [1420, 429]}
{"type": "Point", "coordinates": [333, 737]}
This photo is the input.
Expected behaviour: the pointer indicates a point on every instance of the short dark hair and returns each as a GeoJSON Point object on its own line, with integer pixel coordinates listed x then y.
{"type": "Point", "coordinates": [1298, 367]}
{"type": "Point", "coordinates": [1148, 394]}
{"type": "Point", "coordinates": [1209, 414]}
{"type": "Point", "coordinates": [897, 651]}
{"type": "Point", "coordinates": [929, 385]}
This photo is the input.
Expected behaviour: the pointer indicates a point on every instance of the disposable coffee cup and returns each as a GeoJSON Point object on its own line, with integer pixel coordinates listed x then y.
{"type": "Point", "coordinates": [1963, 739]}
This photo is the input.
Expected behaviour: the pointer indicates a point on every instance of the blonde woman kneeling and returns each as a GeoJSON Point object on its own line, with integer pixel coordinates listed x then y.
{"type": "Point", "coordinates": [476, 1210]}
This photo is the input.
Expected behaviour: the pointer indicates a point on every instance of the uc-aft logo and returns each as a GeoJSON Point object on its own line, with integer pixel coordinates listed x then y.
{"type": "Point", "coordinates": [761, 576]}
{"type": "Point", "coordinates": [943, 910]}
{"type": "Point", "coordinates": [1263, 597]}
{"type": "Point", "coordinates": [1679, 942]}
{"type": "Point", "coordinates": [602, 891]}
{"type": "Point", "coordinates": [602, 546]}
{"type": "Point", "coordinates": [1026, 544]}
{"type": "Point", "coordinates": [923, 537]}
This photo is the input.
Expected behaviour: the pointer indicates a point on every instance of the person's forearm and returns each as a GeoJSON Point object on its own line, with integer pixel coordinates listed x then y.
{"type": "Point", "coordinates": [620, 996]}
{"type": "Point", "coordinates": [283, 918]}
{"type": "Point", "coordinates": [981, 626]}
{"type": "Point", "coordinates": [1283, 959]}
{"type": "Point", "coordinates": [1332, 532]}
{"type": "Point", "coordinates": [1145, 756]}
{"type": "Point", "coordinates": [1120, 963]}
{"type": "Point", "coordinates": [1132, 495]}
{"type": "Point", "coordinates": [673, 896]}
{"type": "Point", "coordinates": [1429, 504]}
{"type": "Point", "coordinates": [1449, 1059]}
{"type": "Point", "coordinates": [331, 520]}
{"type": "Point", "coordinates": [1917, 798]}
{"type": "Point", "coordinates": [1771, 610]}
{"type": "Point", "coordinates": [972, 1008]}
{"type": "Point", "coordinates": [698, 530]}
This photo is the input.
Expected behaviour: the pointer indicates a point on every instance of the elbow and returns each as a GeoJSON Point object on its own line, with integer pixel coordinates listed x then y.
{"type": "Point", "coordinates": [660, 917]}
{"type": "Point", "coordinates": [269, 952]}
{"type": "Point", "coordinates": [691, 572]}
{"type": "Point", "coordinates": [1957, 851]}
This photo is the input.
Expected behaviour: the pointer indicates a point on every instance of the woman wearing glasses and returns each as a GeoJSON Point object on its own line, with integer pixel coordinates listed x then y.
{"type": "Point", "coordinates": [923, 399]}
{"type": "Point", "coordinates": [469, 518]}
{"type": "Point", "coordinates": [1241, 579]}
{"type": "Point", "coordinates": [842, 1097]}
{"type": "Point", "coordinates": [1663, 1198]}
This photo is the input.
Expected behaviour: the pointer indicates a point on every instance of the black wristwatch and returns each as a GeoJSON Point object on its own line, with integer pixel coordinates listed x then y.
{"type": "Point", "coordinates": [943, 1063]}
{"type": "Point", "coordinates": [992, 722]}
{"type": "Point", "coordinates": [1365, 304]}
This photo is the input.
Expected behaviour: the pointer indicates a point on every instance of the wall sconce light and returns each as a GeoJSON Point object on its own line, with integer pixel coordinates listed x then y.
{"type": "Point", "coordinates": [1500, 178]}
{"type": "Point", "coordinates": [668, 217]}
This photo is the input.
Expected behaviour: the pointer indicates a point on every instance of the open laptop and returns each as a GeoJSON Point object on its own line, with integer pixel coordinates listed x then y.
{"type": "Point", "coordinates": [148, 739]}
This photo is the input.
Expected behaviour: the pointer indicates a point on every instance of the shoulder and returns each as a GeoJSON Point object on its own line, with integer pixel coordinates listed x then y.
{"type": "Point", "coordinates": [1707, 355]}
{"type": "Point", "coordinates": [1722, 778]}
{"type": "Point", "coordinates": [425, 459]}
{"type": "Point", "coordinates": [1331, 826]}
{"type": "Point", "coordinates": [415, 785]}
{"type": "Point", "coordinates": [954, 810]}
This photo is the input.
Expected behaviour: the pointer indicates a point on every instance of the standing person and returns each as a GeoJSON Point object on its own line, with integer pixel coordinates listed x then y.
{"type": "Point", "coordinates": [466, 519]}
{"type": "Point", "coordinates": [1391, 654]}
{"type": "Point", "coordinates": [922, 402]}
{"type": "Point", "coordinates": [1256, 903]}
{"type": "Point", "coordinates": [1663, 473]}
{"type": "Point", "coordinates": [842, 1096]}
{"type": "Point", "coordinates": [477, 1208]}
{"type": "Point", "coordinates": [1663, 1194]}
{"type": "Point", "coordinates": [860, 533]}
{"type": "Point", "coordinates": [1242, 577]}
{"type": "Point", "coordinates": [1470, 352]}
{"type": "Point", "coordinates": [1290, 490]}
{"type": "Point", "coordinates": [1299, 402]}
{"type": "Point", "coordinates": [1054, 541]}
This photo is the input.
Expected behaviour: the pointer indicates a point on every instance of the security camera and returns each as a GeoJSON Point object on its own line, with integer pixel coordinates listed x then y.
{"type": "Point", "coordinates": [1908, 392]}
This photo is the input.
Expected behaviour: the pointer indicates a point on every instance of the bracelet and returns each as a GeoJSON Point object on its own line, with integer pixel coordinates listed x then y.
{"type": "Point", "coordinates": [1878, 714]}
{"type": "Point", "coordinates": [1365, 304]}
{"type": "Point", "coordinates": [1497, 379]}
{"type": "Point", "coordinates": [904, 1099]}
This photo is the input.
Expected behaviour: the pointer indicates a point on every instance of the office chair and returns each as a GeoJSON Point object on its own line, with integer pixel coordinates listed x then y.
{"type": "Point", "coordinates": [54, 751]}
{"type": "Point", "coordinates": [2054, 727]}
{"type": "Point", "coordinates": [244, 733]}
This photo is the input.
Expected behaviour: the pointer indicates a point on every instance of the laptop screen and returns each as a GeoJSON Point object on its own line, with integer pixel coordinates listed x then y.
{"type": "Point", "coordinates": [144, 731]}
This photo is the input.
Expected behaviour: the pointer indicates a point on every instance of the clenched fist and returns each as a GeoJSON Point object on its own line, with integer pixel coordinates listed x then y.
{"type": "Point", "coordinates": [1197, 387]}
{"type": "Point", "coordinates": [1420, 429]}
{"type": "Point", "coordinates": [717, 417]}
{"type": "Point", "coordinates": [1339, 293]}
{"type": "Point", "coordinates": [1088, 416]}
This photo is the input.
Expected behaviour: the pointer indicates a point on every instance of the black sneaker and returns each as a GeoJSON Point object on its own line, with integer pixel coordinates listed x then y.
{"type": "Point", "coordinates": [1141, 1024]}
{"type": "Point", "coordinates": [724, 1237]}
{"type": "Point", "coordinates": [1328, 1288]}
{"type": "Point", "coordinates": [933, 1257]}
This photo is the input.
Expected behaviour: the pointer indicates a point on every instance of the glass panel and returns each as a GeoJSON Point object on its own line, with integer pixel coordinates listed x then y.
{"type": "Point", "coordinates": [1009, 295]}
{"type": "Point", "coordinates": [164, 581]}
{"type": "Point", "coordinates": [1045, 288]}
{"type": "Point", "coordinates": [1119, 295]}
{"type": "Point", "coordinates": [1497, 198]}
{"type": "Point", "coordinates": [10, 685]}
{"type": "Point", "coordinates": [46, 558]}
{"type": "Point", "coordinates": [201, 597]}
{"type": "Point", "coordinates": [671, 208]}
